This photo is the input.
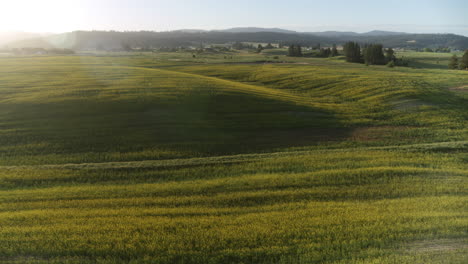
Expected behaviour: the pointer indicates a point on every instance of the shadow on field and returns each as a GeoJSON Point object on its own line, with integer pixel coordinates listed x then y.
{"type": "Point", "coordinates": [428, 65]}
{"type": "Point", "coordinates": [197, 124]}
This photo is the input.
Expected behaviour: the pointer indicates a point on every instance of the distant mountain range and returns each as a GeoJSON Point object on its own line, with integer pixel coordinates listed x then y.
{"type": "Point", "coordinates": [111, 40]}
{"type": "Point", "coordinates": [354, 34]}
{"type": "Point", "coordinates": [257, 30]}
{"type": "Point", "coordinates": [280, 30]}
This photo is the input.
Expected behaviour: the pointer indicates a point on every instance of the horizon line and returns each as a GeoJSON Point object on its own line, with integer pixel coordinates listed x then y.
{"type": "Point", "coordinates": [224, 29]}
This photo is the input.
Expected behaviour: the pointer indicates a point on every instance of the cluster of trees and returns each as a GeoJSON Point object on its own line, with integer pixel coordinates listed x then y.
{"type": "Point", "coordinates": [325, 53]}
{"type": "Point", "coordinates": [269, 46]}
{"type": "Point", "coordinates": [295, 51]}
{"type": "Point", "coordinates": [316, 47]}
{"type": "Point", "coordinates": [461, 64]}
{"type": "Point", "coordinates": [352, 52]}
{"type": "Point", "coordinates": [242, 46]}
{"type": "Point", "coordinates": [371, 54]}
{"type": "Point", "coordinates": [260, 47]}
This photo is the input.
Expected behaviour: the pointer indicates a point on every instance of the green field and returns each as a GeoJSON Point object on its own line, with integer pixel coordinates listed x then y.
{"type": "Point", "coordinates": [232, 158]}
{"type": "Point", "coordinates": [427, 59]}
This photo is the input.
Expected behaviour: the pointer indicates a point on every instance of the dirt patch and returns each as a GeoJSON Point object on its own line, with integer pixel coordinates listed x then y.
{"type": "Point", "coordinates": [463, 88]}
{"type": "Point", "coordinates": [439, 245]}
{"type": "Point", "coordinates": [370, 134]}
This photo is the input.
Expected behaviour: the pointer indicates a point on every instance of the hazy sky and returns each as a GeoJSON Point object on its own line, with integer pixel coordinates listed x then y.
{"type": "Point", "coordinates": [438, 16]}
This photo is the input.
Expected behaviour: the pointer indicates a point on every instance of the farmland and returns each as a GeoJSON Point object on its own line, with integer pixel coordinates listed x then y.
{"type": "Point", "coordinates": [232, 158]}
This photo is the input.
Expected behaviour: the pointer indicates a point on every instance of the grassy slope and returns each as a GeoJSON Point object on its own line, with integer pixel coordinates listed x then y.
{"type": "Point", "coordinates": [98, 112]}
{"type": "Point", "coordinates": [430, 60]}
{"type": "Point", "coordinates": [416, 101]}
{"type": "Point", "coordinates": [361, 165]}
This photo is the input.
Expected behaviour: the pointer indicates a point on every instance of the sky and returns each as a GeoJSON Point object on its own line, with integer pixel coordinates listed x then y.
{"type": "Point", "coordinates": [55, 16]}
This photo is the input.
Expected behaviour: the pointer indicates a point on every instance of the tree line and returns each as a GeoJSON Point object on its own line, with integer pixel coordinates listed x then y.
{"type": "Point", "coordinates": [296, 51]}
{"type": "Point", "coordinates": [461, 63]}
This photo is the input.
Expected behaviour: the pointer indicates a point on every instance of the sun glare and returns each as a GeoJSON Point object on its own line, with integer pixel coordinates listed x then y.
{"type": "Point", "coordinates": [39, 16]}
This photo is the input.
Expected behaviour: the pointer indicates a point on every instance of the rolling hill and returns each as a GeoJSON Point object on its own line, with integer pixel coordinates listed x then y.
{"type": "Point", "coordinates": [170, 158]}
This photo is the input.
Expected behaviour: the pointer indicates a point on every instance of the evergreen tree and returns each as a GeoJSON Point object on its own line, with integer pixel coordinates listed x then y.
{"type": "Point", "coordinates": [453, 64]}
{"type": "Point", "coordinates": [334, 51]}
{"type": "Point", "coordinates": [298, 51]}
{"type": "Point", "coordinates": [373, 54]}
{"type": "Point", "coordinates": [295, 51]}
{"type": "Point", "coordinates": [259, 48]}
{"type": "Point", "coordinates": [238, 46]}
{"type": "Point", "coordinates": [325, 53]}
{"type": "Point", "coordinates": [352, 52]}
{"type": "Point", "coordinates": [291, 51]}
{"type": "Point", "coordinates": [464, 61]}
{"type": "Point", "coordinates": [269, 46]}
{"type": "Point", "coordinates": [379, 56]}
{"type": "Point", "coordinates": [390, 55]}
